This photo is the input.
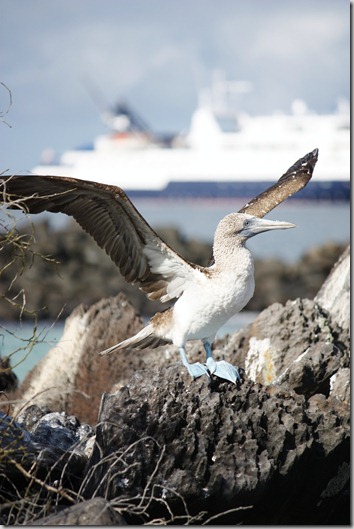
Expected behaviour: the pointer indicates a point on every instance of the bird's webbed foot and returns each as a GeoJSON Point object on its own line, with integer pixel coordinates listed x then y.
{"type": "Point", "coordinates": [195, 370]}
{"type": "Point", "coordinates": [221, 369]}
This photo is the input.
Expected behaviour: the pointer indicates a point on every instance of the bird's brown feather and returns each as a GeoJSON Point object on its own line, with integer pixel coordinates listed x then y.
{"type": "Point", "coordinates": [105, 212]}
{"type": "Point", "coordinates": [295, 179]}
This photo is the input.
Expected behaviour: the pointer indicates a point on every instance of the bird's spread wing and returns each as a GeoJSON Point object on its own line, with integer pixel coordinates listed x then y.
{"type": "Point", "coordinates": [295, 178]}
{"type": "Point", "coordinates": [107, 214]}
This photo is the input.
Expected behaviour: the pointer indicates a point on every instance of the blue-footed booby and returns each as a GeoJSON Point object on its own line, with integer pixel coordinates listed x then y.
{"type": "Point", "coordinates": [205, 297]}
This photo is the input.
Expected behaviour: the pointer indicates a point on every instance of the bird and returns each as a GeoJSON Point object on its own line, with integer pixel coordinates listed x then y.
{"type": "Point", "coordinates": [205, 298]}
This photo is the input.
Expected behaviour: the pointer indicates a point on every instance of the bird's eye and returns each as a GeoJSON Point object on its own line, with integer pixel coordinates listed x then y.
{"type": "Point", "coordinates": [246, 223]}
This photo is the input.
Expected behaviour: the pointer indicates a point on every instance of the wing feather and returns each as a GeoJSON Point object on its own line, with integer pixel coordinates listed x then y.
{"type": "Point", "coordinates": [108, 215]}
{"type": "Point", "coordinates": [295, 178]}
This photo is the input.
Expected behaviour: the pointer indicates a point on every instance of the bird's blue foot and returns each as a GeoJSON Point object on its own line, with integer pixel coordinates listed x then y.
{"type": "Point", "coordinates": [195, 370]}
{"type": "Point", "coordinates": [221, 369]}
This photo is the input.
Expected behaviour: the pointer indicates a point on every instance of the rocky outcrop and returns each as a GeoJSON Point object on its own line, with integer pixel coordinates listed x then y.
{"type": "Point", "coordinates": [298, 340]}
{"type": "Point", "coordinates": [97, 511]}
{"type": "Point", "coordinates": [279, 282]}
{"type": "Point", "coordinates": [273, 450]}
{"type": "Point", "coordinates": [8, 379]}
{"type": "Point", "coordinates": [334, 295]}
{"type": "Point", "coordinates": [73, 270]}
{"type": "Point", "coordinates": [267, 454]}
{"type": "Point", "coordinates": [72, 377]}
{"type": "Point", "coordinates": [302, 343]}
{"type": "Point", "coordinates": [42, 460]}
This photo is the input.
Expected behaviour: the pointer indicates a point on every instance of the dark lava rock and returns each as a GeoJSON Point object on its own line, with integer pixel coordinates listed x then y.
{"type": "Point", "coordinates": [302, 334]}
{"type": "Point", "coordinates": [41, 454]}
{"type": "Point", "coordinates": [44, 437]}
{"type": "Point", "coordinates": [8, 379]}
{"type": "Point", "coordinates": [220, 447]}
{"type": "Point", "coordinates": [274, 450]}
{"type": "Point", "coordinates": [55, 429]}
{"type": "Point", "coordinates": [299, 334]}
{"type": "Point", "coordinates": [301, 344]}
{"type": "Point", "coordinates": [97, 511]}
{"type": "Point", "coordinates": [15, 441]}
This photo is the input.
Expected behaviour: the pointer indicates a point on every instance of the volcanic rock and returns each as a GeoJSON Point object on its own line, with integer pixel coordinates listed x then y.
{"type": "Point", "coordinates": [72, 377]}
{"type": "Point", "coordinates": [97, 511]}
{"type": "Point", "coordinates": [272, 450]}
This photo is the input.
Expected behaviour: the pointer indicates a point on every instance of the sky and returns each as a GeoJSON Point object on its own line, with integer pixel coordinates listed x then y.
{"type": "Point", "coordinates": [66, 61]}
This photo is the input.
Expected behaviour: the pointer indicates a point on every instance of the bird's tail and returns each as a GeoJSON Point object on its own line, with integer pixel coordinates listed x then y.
{"type": "Point", "coordinates": [145, 338]}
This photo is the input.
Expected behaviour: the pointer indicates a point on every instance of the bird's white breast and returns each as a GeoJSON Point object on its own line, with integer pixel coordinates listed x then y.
{"type": "Point", "coordinates": [208, 304]}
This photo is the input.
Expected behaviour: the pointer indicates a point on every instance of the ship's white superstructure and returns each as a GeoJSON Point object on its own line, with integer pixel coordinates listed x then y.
{"type": "Point", "coordinates": [224, 153]}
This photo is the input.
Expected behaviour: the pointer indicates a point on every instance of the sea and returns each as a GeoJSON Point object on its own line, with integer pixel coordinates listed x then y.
{"type": "Point", "coordinates": [317, 223]}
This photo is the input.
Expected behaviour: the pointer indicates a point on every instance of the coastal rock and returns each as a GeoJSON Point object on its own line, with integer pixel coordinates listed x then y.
{"type": "Point", "coordinates": [300, 334]}
{"type": "Point", "coordinates": [72, 376]}
{"type": "Point", "coordinates": [55, 429]}
{"type": "Point", "coordinates": [301, 344]}
{"type": "Point", "coordinates": [15, 441]}
{"type": "Point", "coordinates": [74, 363]}
{"type": "Point", "coordinates": [334, 295]}
{"type": "Point", "coordinates": [340, 385]}
{"type": "Point", "coordinates": [40, 451]}
{"type": "Point", "coordinates": [8, 379]}
{"type": "Point", "coordinates": [296, 343]}
{"type": "Point", "coordinates": [272, 450]}
{"type": "Point", "coordinates": [266, 454]}
{"type": "Point", "coordinates": [97, 511]}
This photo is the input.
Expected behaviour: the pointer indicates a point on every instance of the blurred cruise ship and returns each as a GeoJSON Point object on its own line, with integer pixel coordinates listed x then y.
{"type": "Point", "coordinates": [225, 153]}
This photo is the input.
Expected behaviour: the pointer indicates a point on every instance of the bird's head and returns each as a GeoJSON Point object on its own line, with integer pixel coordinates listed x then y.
{"type": "Point", "coordinates": [243, 226]}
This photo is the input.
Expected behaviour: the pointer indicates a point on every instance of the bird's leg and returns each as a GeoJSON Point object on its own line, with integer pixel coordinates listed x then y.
{"type": "Point", "coordinates": [195, 370]}
{"type": "Point", "coordinates": [221, 369]}
{"type": "Point", "coordinates": [210, 362]}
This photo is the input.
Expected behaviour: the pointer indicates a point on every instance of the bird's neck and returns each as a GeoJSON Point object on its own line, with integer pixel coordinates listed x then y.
{"type": "Point", "coordinates": [232, 255]}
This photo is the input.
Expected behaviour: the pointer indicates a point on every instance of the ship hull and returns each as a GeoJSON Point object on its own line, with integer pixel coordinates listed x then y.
{"type": "Point", "coordinates": [325, 190]}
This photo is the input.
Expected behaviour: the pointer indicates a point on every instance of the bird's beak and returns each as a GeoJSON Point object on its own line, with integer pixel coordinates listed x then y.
{"type": "Point", "coordinates": [257, 225]}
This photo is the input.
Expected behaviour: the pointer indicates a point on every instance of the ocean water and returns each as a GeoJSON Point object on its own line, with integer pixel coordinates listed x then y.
{"type": "Point", "coordinates": [26, 348]}
{"type": "Point", "coordinates": [26, 343]}
{"type": "Point", "coordinates": [317, 223]}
